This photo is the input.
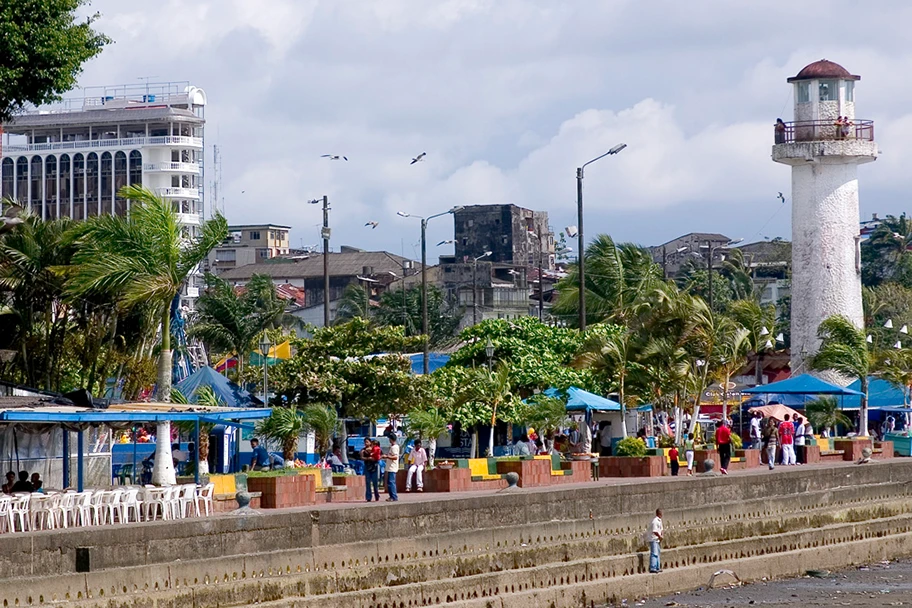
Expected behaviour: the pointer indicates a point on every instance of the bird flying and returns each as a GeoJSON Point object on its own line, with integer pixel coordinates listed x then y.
{"type": "Point", "coordinates": [781, 197]}
{"type": "Point", "coordinates": [10, 218]}
{"type": "Point", "coordinates": [418, 158]}
{"type": "Point", "coordinates": [334, 157]}
{"type": "Point", "coordinates": [372, 224]}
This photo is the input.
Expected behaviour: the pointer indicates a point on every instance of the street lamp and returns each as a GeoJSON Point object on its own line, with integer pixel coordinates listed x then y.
{"type": "Point", "coordinates": [325, 233]}
{"type": "Point", "coordinates": [709, 263]}
{"type": "Point", "coordinates": [489, 353]}
{"type": "Point", "coordinates": [475, 286]}
{"type": "Point", "coordinates": [424, 306]}
{"type": "Point", "coordinates": [582, 242]}
{"type": "Point", "coordinates": [265, 345]}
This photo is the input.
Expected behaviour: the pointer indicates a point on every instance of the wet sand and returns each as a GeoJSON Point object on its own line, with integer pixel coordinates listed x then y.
{"type": "Point", "coordinates": [883, 584]}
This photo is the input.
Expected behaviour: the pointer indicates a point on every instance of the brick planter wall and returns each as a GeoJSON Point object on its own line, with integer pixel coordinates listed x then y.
{"type": "Point", "coordinates": [532, 473]}
{"type": "Point", "coordinates": [226, 503]}
{"type": "Point", "coordinates": [701, 455]}
{"type": "Point", "coordinates": [886, 449]}
{"type": "Point", "coordinates": [354, 486]}
{"type": "Point", "coordinates": [751, 458]}
{"type": "Point", "coordinates": [851, 447]}
{"type": "Point", "coordinates": [284, 491]}
{"type": "Point", "coordinates": [448, 480]}
{"type": "Point", "coordinates": [624, 466]}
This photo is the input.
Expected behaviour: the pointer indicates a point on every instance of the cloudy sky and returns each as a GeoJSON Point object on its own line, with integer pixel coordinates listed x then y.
{"type": "Point", "coordinates": [507, 97]}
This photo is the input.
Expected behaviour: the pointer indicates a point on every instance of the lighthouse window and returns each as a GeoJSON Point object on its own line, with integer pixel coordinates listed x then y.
{"type": "Point", "coordinates": [804, 92]}
{"type": "Point", "coordinates": [850, 90]}
{"type": "Point", "coordinates": [828, 90]}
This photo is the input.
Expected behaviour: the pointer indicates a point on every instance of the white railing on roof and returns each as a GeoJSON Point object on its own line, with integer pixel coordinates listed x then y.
{"type": "Point", "coordinates": [181, 167]}
{"type": "Point", "coordinates": [167, 140]}
{"type": "Point", "coordinates": [178, 192]}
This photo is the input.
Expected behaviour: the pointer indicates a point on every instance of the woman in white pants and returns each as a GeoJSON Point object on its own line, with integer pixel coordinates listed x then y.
{"type": "Point", "coordinates": [417, 460]}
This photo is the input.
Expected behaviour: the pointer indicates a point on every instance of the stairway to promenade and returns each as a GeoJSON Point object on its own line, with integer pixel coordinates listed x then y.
{"type": "Point", "coordinates": [569, 547]}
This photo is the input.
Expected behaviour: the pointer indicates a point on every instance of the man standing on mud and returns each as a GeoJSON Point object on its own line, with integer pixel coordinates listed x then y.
{"type": "Point", "coordinates": [655, 534]}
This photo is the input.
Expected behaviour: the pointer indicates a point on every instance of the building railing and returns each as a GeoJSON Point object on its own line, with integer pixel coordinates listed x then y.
{"type": "Point", "coordinates": [822, 130]}
{"type": "Point", "coordinates": [88, 144]}
{"type": "Point", "coordinates": [189, 219]}
{"type": "Point", "coordinates": [181, 167]}
{"type": "Point", "coordinates": [178, 192]}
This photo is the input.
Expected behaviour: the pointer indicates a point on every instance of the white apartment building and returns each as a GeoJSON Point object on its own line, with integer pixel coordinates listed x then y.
{"type": "Point", "coordinates": [70, 159]}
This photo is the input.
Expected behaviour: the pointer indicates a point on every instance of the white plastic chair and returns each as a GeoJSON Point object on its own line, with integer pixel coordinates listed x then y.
{"type": "Point", "coordinates": [204, 498]}
{"type": "Point", "coordinates": [19, 512]}
{"type": "Point", "coordinates": [82, 508]}
{"type": "Point", "coordinates": [186, 499]}
{"type": "Point", "coordinates": [157, 500]}
{"type": "Point", "coordinates": [6, 523]}
{"type": "Point", "coordinates": [173, 500]}
{"type": "Point", "coordinates": [130, 505]}
{"type": "Point", "coordinates": [42, 510]}
{"type": "Point", "coordinates": [65, 510]}
{"type": "Point", "coordinates": [111, 502]}
{"type": "Point", "coordinates": [97, 507]}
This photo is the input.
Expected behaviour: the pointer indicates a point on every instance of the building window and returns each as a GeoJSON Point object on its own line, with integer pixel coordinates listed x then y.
{"type": "Point", "coordinates": [22, 180]}
{"type": "Point", "coordinates": [850, 90]}
{"type": "Point", "coordinates": [263, 254]}
{"type": "Point", "coordinates": [120, 180]}
{"type": "Point", "coordinates": [65, 193]}
{"type": "Point", "coordinates": [36, 182]}
{"type": "Point", "coordinates": [107, 183]}
{"type": "Point", "coordinates": [136, 168]}
{"type": "Point", "coordinates": [8, 178]}
{"type": "Point", "coordinates": [50, 188]}
{"type": "Point", "coordinates": [804, 92]}
{"type": "Point", "coordinates": [828, 90]}
{"type": "Point", "coordinates": [91, 185]}
{"type": "Point", "coordinates": [79, 183]}
{"type": "Point", "coordinates": [254, 235]}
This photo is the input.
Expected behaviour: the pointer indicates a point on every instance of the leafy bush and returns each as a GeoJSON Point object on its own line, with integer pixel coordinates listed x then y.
{"type": "Point", "coordinates": [631, 446]}
{"type": "Point", "coordinates": [666, 441]}
{"type": "Point", "coordinates": [737, 444]}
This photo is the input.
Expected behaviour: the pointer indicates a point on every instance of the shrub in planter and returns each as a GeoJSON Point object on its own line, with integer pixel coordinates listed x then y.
{"type": "Point", "coordinates": [630, 446]}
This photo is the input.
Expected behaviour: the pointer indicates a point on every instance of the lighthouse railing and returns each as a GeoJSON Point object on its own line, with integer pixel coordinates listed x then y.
{"type": "Point", "coordinates": [823, 130]}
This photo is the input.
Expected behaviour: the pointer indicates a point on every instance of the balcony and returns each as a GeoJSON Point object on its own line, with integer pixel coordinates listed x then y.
{"type": "Point", "coordinates": [178, 192]}
{"type": "Point", "coordinates": [824, 130]}
{"type": "Point", "coordinates": [93, 144]}
{"type": "Point", "coordinates": [189, 219]}
{"type": "Point", "coordinates": [172, 167]}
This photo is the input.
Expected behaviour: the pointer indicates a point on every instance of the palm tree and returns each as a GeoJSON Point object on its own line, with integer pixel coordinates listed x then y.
{"type": "Point", "coordinates": [548, 414]}
{"type": "Point", "coordinates": [618, 279]}
{"type": "Point", "coordinates": [204, 395]}
{"type": "Point", "coordinates": [145, 258]}
{"type": "Point", "coordinates": [896, 367]}
{"type": "Point", "coordinates": [761, 322]}
{"type": "Point", "coordinates": [824, 414]}
{"type": "Point", "coordinates": [231, 322]}
{"type": "Point", "coordinates": [732, 355]}
{"type": "Point", "coordinates": [612, 356]}
{"type": "Point", "coordinates": [355, 302]}
{"type": "Point", "coordinates": [844, 350]}
{"type": "Point", "coordinates": [428, 424]}
{"type": "Point", "coordinates": [323, 420]}
{"type": "Point", "coordinates": [490, 389]}
{"type": "Point", "coordinates": [285, 425]}
{"type": "Point", "coordinates": [885, 254]}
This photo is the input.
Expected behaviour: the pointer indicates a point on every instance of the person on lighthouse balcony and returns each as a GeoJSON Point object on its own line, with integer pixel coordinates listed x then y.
{"type": "Point", "coordinates": [780, 131]}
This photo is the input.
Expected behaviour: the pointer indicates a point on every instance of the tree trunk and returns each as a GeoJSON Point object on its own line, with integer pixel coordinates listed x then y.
{"type": "Point", "coordinates": [863, 411]}
{"type": "Point", "coordinates": [473, 451]}
{"type": "Point", "coordinates": [163, 469]}
{"type": "Point", "coordinates": [203, 450]}
{"type": "Point", "coordinates": [290, 448]}
{"type": "Point", "coordinates": [490, 451]}
{"type": "Point", "coordinates": [623, 410]}
{"type": "Point", "coordinates": [164, 358]}
{"type": "Point", "coordinates": [432, 451]}
{"type": "Point", "coordinates": [758, 370]}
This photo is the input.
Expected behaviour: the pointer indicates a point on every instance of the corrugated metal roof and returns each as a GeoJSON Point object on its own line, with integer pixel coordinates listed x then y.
{"type": "Point", "coordinates": [44, 410]}
{"type": "Point", "coordinates": [98, 117]}
{"type": "Point", "coordinates": [340, 264]}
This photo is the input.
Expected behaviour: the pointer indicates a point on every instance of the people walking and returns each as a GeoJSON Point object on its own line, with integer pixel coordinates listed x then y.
{"type": "Point", "coordinates": [787, 440]}
{"type": "Point", "coordinates": [655, 534]}
{"type": "Point", "coordinates": [371, 470]}
{"type": "Point", "coordinates": [392, 468]}
{"type": "Point", "coordinates": [800, 441]}
{"type": "Point", "coordinates": [771, 442]}
{"type": "Point", "coordinates": [723, 445]}
{"type": "Point", "coordinates": [417, 460]}
{"type": "Point", "coordinates": [673, 460]}
{"type": "Point", "coordinates": [689, 453]}
{"type": "Point", "coordinates": [755, 432]}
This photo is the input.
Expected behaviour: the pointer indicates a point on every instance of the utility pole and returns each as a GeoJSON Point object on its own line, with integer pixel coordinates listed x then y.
{"type": "Point", "coordinates": [709, 271]}
{"type": "Point", "coordinates": [475, 292]}
{"type": "Point", "coordinates": [582, 251]}
{"type": "Point", "coordinates": [425, 361]}
{"type": "Point", "coordinates": [541, 280]}
{"type": "Point", "coordinates": [325, 233]}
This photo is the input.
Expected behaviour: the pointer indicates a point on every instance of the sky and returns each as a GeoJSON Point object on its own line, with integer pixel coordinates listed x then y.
{"type": "Point", "coordinates": [507, 98]}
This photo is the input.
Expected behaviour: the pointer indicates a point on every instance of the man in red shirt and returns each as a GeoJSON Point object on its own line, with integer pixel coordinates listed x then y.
{"type": "Point", "coordinates": [723, 444]}
{"type": "Point", "coordinates": [787, 441]}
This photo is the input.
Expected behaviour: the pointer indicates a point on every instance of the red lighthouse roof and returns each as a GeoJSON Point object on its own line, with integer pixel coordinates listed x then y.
{"type": "Point", "coordinates": [823, 69]}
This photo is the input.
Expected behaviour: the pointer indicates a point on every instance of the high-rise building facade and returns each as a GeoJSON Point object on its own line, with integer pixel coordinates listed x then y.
{"type": "Point", "coordinates": [70, 159]}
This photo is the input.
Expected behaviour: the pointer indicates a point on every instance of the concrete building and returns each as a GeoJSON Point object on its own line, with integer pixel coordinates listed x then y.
{"type": "Point", "coordinates": [504, 230]}
{"type": "Point", "coordinates": [770, 265]}
{"type": "Point", "coordinates": [252, 244]}
{"type": "Point", "coordinates": [824, 156]}
{"type": "Point", "coordinates": [349, 266]}
{"type": "Point", "coordinates": [674, 254]}
{"type": "Point", "coordinates": [70, 159]}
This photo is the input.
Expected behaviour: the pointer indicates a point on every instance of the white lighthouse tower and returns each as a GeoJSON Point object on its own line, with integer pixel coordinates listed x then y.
{"type": "Point", "coordinates": [824, 146]}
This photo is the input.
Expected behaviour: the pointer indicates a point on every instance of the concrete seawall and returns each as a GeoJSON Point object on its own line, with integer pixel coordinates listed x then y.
{"type": "Point", "coordinates": [564, 547]}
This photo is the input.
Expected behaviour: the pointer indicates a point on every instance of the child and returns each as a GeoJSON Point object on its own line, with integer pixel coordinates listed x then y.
{"type": "Point", "coordinates": [673, 457]}
{"type": "Point", "coordinates": [689, 453]}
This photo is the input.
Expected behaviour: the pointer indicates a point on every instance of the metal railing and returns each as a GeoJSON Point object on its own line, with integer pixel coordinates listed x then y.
{"type": "Point", "coordinates": [178, 192]}
{"type": "Point", "coordinates": [88, 144]}
{"type": "Point", "coordinates": [823, 130]}
{"type": "Point", "coordinates": [182, 167]}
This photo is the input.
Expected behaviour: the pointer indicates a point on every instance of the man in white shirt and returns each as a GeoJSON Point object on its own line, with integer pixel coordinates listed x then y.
{"type": "Point", "coordinates": [755, 434]}
{"type": "Point", "coordinates": [605, 439]}
{"type": "Point", "coordinates": [417, 460]}
{"type": "Point", "coordinates": [392, 467]}
{"type": "Point", "coordinates": [800, 432]}
{"type": "Point", "coordinates": [655, 533]}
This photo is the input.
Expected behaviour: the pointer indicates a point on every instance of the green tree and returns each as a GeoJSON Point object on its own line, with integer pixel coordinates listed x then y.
{"type": "Point", "coordinates": [732, 355]}
{"type": "Point", "coordinates": [885, 254]}
{"type": "Point", "coordinates": [844, 350]}
{"type": "Point", "coordinates": [428, 424]}
{"type": "Point", "coordinates": [354, 304]}
{"type": "Point", "coordinates": [547, 414]}
{"type": "Point", "coordinates": [323, 420]}
{"type": "Point", "coordinates": [231, 322]}
{"type": "Point", "coordinates": [284, 425]}
{"type": "Point", "coordinates": [398, 308]}
{"type": "Point", "coordinates": [760, 321]}
{"type": "Point", "coordinates": [824, 414]}
{"type": "Point", "coordinates": [145, 258]}
{"type": "Point", "coordinates": [44, 48]}
{"type": "Point", "coordinates": [487, 393]}
{"type": "Point", "coordinates": [613, 357]}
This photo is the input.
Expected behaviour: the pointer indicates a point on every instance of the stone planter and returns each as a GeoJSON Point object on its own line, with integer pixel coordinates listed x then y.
{"type": "Point", "coordinates": [354, 486]}
{"type": "Point", "coordinates": [631, 466]}
{"type": "Point", "coordinates": [284, 491]}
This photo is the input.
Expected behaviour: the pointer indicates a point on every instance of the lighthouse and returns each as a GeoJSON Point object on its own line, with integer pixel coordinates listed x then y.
{"type": "Point", "coordinates": [824, 145]}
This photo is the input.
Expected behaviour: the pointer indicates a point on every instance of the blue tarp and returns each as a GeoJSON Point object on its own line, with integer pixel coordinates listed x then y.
{"type": "Point", "coordinates": [881, 393]}
{"type": "Point", "coordinates": [435, 362]}
{"type": "Point", "coordinates": [229, 392]}
{"type": "Point", "coordinates": [805, 384]}
{"type": "Point", "coordinates": [579, 400]}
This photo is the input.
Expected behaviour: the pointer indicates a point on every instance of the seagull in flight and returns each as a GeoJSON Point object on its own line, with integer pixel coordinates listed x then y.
{"type": "Point", "coordinates": [372, 224]}
{"type": "Point", "coordinates": [781, 197]}
{"type": "Point", "coordinates": [10, 218]}
{"type": "Point", "coordinates": [334, 157]}
{"type": "Point", "coordinates": [418, 158]}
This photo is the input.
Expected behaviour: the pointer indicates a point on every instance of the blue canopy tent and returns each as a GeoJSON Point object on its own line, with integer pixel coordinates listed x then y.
{"type": "Point", "coordinates": [579, 400]}
{"type": "Point", "coordinates": [228, 392]}
{"type": "Point", "coordinates": [881, 394]}
{"type": "Point", "coordinates": [799, 390]}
